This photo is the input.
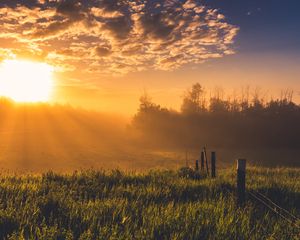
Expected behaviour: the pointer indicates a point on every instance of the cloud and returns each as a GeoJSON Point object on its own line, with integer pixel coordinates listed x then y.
{"type": "Point", "coordinates": [119, 27]}
{"type": "Point", "coordinates": [117, 36]}
{"type": "Point", "coordinates": [103, 51]}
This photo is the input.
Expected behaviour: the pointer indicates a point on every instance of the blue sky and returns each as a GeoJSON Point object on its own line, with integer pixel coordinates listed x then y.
{"type": "Point", "coordinates": [264, 25]}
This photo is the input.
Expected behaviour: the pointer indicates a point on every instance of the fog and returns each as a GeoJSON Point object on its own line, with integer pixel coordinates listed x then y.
{"type": "Point", "coordinates": [42, 137]}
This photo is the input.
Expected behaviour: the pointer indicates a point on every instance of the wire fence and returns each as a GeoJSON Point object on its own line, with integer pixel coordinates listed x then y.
{"type": "Point", "coordinates": [275, 208]}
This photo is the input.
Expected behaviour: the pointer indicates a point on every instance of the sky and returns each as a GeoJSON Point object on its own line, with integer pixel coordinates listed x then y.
{"type": "Point", "coordinates": [106, 53]}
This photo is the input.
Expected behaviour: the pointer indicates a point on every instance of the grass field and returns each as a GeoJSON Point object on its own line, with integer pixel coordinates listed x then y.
{"type": "Point", "coordinates": [152, 205]}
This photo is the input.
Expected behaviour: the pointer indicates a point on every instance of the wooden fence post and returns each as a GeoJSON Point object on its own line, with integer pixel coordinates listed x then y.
{"type": "Point", "coordinates": [213, 164]}
{"type": "Point", "coordinates": [202, 161]}
{"type": "Point", "coordinates": [206, 161]}
{"type": "Point", "coordinates": [197, 165]}
{"type": "Point", "coordinates": [241, 182]}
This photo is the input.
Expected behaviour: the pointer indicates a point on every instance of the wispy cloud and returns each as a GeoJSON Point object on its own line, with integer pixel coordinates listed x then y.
{"type": "Point", "coordinates": [115, 36]}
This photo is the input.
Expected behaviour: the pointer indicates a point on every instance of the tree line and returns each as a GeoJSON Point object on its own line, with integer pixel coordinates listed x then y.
{"type": "Point", "coordinates": [245, 121]}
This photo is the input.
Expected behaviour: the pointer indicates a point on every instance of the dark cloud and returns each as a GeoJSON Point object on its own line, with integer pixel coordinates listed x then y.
{"type": "Point", "coordinates": [156, 25]}
{"type": "Point", "coordinates": [71, 9]}
{"type": "Point", "coordinates": [112, 5]}
{"type": "Point", "coordinates": [103, 51]}
{"type": "Point", "coordinates": [52, 29]}
{"type": "Point", "coordinates": [14, 3]}
{"type": "Point", "coordinates": [120, 27]}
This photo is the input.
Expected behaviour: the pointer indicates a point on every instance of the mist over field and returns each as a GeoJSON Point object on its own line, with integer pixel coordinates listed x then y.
{"type": "Point", "coordinates": [149, 120]}
{"type": "Point", "coordinates": [42, 137]}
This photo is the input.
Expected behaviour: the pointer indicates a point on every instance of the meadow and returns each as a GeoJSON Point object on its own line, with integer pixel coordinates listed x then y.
{"type": "Point", "coordinates": [52, 185]}
{"type": "Point", "coordinates": [157, 204]}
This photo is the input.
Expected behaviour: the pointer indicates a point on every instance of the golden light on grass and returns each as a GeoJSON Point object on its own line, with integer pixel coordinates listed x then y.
{"type": "Point", "coordinates": [26, 81]}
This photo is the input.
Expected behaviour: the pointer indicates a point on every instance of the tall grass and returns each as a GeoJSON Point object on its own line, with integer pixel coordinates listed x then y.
{"type": "Point", "coordinates": [152, 205]}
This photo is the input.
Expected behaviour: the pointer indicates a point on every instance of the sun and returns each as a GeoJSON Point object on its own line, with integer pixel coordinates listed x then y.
{"type": "Point", "coordinates": [26, 81]}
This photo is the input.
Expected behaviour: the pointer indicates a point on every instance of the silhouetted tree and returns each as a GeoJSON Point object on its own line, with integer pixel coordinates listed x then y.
{"type": "Point", "coordinates": [194, 100]}
{"type": "Point", "coordinates": [219, 106]}
{"type": "Point", "coordinates": [238, 122]}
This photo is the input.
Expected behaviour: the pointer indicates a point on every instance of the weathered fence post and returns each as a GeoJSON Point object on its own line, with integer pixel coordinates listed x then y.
{"type": "Point", "coordinates": [197, 165]}
{"type": "Point", "coordinates": [213, 164]}
{"type": "Point", "coordinates": [206, 161]}
{"type": "Point", "coordinates": [202, 161]}
{"type": "Point", "coordinates": [241, 182]}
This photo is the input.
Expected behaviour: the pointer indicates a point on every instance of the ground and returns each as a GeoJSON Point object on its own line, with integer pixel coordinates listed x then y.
{"type": "Point", "coordinates": [149, 205]}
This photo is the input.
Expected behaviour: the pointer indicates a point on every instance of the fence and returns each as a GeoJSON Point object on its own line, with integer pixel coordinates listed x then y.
{"type": "Point", "coordinates": [241, 189]}
{"type": "Point", "coordinates": [204, 163]}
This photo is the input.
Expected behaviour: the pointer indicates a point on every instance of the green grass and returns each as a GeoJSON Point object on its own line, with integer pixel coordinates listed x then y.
{"type": "Point", "coordinates": [152, 205]}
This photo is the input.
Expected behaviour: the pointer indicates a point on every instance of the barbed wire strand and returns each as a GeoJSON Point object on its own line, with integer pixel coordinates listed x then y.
{"type": "Point", "coordinates": [272, 209]}
{"type": "Point", "coordinates": [277, 208]}
{"type": "Point", "coordinates": [296, 219]}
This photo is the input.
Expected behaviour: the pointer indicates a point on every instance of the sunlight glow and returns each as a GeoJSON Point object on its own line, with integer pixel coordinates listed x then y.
{"type": "Point", "coordinates": [25, 81]}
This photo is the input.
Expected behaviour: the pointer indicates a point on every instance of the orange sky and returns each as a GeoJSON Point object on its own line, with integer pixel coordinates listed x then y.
{"type": "Point", "coordinates": [107, 53]}
{"type": "Point", "coordinates": [269, 73]}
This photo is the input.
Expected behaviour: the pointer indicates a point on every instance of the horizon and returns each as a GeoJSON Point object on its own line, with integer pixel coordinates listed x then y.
{"type": "Point", "coordinates": [105, 55]}
{"type": "Point", "coordinates": [124, 119]}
